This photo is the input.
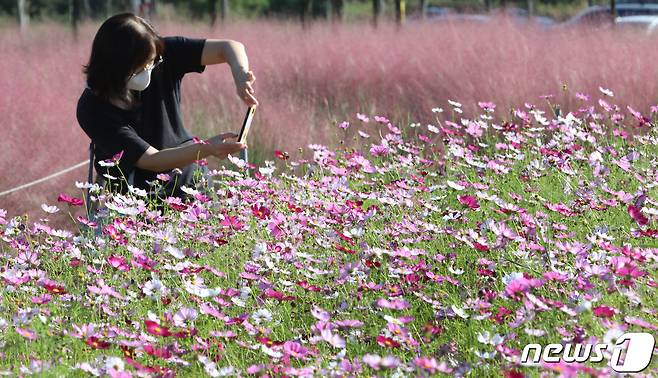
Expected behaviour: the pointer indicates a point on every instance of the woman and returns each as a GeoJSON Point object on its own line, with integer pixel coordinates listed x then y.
{"type": "Point", "coordinates": [130, 108]}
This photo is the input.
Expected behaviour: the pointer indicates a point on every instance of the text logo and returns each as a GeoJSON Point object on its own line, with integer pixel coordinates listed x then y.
{"type": "Point", "coordinates": [639, 349]}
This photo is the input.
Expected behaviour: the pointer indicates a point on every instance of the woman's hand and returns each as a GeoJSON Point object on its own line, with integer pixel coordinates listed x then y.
{"type": "Point", "coordinates": [243, 85]}
{"type": "Point", "coordinates": [221, 138]}
{"type": "Point", "coordinates": [221, 148]}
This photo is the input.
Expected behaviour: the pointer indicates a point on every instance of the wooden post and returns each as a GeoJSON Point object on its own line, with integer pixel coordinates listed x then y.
{"type": "Point", "coordinates": [23, 13]}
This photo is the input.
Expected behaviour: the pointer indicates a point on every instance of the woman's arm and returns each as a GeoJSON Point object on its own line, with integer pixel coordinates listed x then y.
{"type": "Point", "coordinates": [216, 51]}
{"type": "Point", "coordinates": [163, 160]}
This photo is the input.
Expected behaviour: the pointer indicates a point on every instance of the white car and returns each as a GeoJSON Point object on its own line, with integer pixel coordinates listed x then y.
{"type": "Point", "coordinates": [647, 23]}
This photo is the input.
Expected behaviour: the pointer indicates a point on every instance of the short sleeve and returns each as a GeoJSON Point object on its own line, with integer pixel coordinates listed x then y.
{"type": "Point", "coordinates": [183, 54]}
{"type": "Point", "coordinates": [111, 136]}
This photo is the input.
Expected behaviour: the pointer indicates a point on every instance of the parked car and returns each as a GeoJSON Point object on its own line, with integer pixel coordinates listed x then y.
{"type": "Point", "coordinates": [645, 23]}
{"type": "Point", "coordinates": [601, 14]}
{"type": "Point", "coordinates": [440, 14]}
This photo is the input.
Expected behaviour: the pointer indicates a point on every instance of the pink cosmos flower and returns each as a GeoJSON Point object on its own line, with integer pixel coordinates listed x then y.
{"type": "Point", "coordinates": [604, 311]}
{"type": "Point", "coordinates": [474, 129]}
{"type": "Point", "coordinates": [431, 365]}
{"type": "Point", "coordinates": [387, 342]}
{"type": "Point", "coordinates": [637, 215]}
{"type": "Point", "coordinates": [118, 262]}
{"type": "Point", "coordinates": [155, 329]}
{"type": "Point", "coordinates": [70, 200]}
{"type": "Point", "coordinates": [469, 201]}
{"type": "Point", "coordinates": [395, 304]}
{"type": "Point", "coordinates": [295, 349]}
{"type": "Point", "coordinates": [379, 150]}
{"type": "Point", "coordinates": [487, 106]}
{"type": "Point", "coordinates": [270, 293]}
{"type": "Point", "coordinates": [518, 287]}
{"type": "Point", "coordinates": [334, 339]}
{"type": "Point", "coordinates": [26, 333]}
{"type": "Point", "coordinates": [96, 343]}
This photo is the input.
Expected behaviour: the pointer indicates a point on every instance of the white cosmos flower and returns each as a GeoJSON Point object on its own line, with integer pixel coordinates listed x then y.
{"type": "Point", "coordinates": [266, 171]}
{"type": "Point", "coordinates": [137, 191]}
{"type": "Point", "coordinates": [437, 110]}
{"type": "Point", "coordinates": [454, 185]}
{"type": "Point", "coordinates": [177, 253]}
{"type": "Point", "coordinates": [209, 366]}
{"type": "Point", "coordinates": [190, 191]}
{"type": "Point", "coordinates": [49, 209]}
{"type": "Point", "coordinates": [433, 129]}
{"type": "Point", "coordinates": [153, 287]}
{"type": "Point", "coordinates": [237, 161]}
{"type": "Point", "coordinates": [82, 185]}
{"type": "Point", "coordinates": [606, 92]}
{"type": "Point", "coordinates": [114, 363]}
{"type": "Point", "coordinates": [104, 163]}
{"type": "Point", "coordinates": [455, 104]}
{"type": "Point", "coordinates": [262, 315]}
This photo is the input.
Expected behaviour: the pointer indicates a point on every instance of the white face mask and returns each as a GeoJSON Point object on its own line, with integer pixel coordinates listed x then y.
{"type": "Point", "coordinates": [140, 81]}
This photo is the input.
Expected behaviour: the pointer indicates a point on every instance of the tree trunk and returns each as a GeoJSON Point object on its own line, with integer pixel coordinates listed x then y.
{"type": "Point", "coordinates": [400, 10]}
{"type": "Point", "coordinates": [487, 5]}
{"type": "Point", "coordinates": [108, 8]}
{"type": "Point", "coordinates": [531, 8]}
{"type": "Point", "coordinates": [423, 9]}
{"type": "Point", "coordinates": [212, 10]}
{"type": "Point", "coordinates": [337, 10]}
{"type": "Point", "coordinates": [305, 12]}
{"type": "Point", "coordinates": [23, 13]}
{"type": "Point", "coordinates": [613, 11]}
{"type": "Point", "coordinates": [74, 7]}
{"type": "Point", "coordinates": [377, 6]}
{"type": "Point", "coordinates": [223, 10]}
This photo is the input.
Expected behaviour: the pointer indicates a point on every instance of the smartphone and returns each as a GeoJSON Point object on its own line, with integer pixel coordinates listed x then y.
{"type": "Point", "coordinates": [246, 124]}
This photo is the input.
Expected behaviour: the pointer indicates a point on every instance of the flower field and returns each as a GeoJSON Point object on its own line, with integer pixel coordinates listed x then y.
{"type": "Point", "coordinates": [440, 248]}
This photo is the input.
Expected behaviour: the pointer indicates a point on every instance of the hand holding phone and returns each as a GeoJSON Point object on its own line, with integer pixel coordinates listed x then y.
{"type": "Point", "coordinates": [246, 124]}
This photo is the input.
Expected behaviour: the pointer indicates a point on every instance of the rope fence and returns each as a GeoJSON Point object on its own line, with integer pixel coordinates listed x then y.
{"type": "Point", "coordinates": [35, 182]}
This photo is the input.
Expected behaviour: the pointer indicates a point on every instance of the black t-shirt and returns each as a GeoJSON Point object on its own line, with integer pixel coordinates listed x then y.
{"type": "Point", "coordinates": [156, 121]}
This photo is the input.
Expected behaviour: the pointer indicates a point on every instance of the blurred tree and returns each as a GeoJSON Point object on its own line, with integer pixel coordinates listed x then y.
{"type": "Point", "coordinates": [305, 11]}
{"type": "Point", "coordinates": [75, 16]}
{"type": "Point", "coordinates": [23, 15]}
{"type": "Point", "coordinates": [423, 9]}
{"type": "Point", "coordinates": [377, 9]}
{"type": "Point", "coordinates": [399, 11]}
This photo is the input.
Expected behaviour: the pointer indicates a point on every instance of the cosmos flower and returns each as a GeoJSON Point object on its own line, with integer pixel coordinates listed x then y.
{"type": "Point", "coordinates": [155, 329]}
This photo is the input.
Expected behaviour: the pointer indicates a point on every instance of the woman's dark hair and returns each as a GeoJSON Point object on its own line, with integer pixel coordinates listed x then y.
{"type": "Point", "coordinates": [122, 46]}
